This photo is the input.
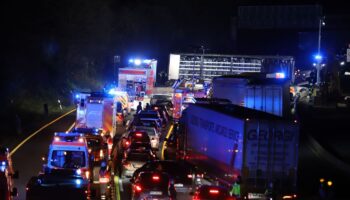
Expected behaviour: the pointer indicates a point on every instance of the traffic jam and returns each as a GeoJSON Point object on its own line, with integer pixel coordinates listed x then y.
{"type": "Point", "coordinates": [174, 144]}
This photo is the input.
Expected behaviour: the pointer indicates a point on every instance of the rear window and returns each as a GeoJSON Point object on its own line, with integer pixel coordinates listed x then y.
{"type": "Point", "coordinates": [151, 115]}
{"type": "Point", "coordinates": [138, 157]}
{"type": "Point", "coordinates": [149, 130]}
{"type": "Point", "coordinates": [149, 181]}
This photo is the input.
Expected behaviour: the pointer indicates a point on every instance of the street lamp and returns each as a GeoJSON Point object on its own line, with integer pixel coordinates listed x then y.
{"type": "Point", "coordinates": [318, 57]}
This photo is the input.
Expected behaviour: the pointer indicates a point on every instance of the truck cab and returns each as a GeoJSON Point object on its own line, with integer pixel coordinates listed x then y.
{"type": "Point", "coordinates": [69, 151]}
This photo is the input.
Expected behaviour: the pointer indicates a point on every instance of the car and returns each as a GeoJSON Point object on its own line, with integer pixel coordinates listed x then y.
{"type": "Point", "coordinates": [186, 177]}
{"type": "Point", "coordinates": [151, 114]}
{"type": "Point", "coordinates": [211, 192]}
{"type": "Point", "coordinates": [58, 184]}
{"type": "Point", "coordinates": [152, 133]}
{"type": "Point", "coordinates": [149, 123]}
{"type": "Point", "coordinates": [137, 136]}
{"type": "Point", "coordinates": [153, 185]}
{"type": "Point", "coordinates": [97, 147]}
{"type": "Point", "coordinates": [156, 98]}
{"type": "Point", "coordinates": [166, 108]}
{"type": "Point", "coordinates": [134, 157]}
{"type": "Point", "coordinates": [7, 189]}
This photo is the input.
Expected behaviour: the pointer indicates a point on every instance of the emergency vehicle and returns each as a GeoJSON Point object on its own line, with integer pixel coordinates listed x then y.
{"type": "Point", "coordinates": [7, 189]}
{"type": "Point", "coordinates": [69, 151]}
{"type": "Point", "coordinates": [97, 111]}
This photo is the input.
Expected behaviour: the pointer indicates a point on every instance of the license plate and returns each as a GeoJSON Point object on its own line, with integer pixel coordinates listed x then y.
{"type": "Point", "coordinates": [256, 196]}
{"type": "Point", "coordinates": [178, 185]}
{"type": "Point", "coordinates": [156, 193]}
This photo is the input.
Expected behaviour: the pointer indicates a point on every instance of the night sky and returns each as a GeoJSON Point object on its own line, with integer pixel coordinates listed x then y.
{"type": "Point", "coordinates": [69, 44]}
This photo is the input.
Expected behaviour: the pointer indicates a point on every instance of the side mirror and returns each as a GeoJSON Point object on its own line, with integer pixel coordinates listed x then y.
{"type": "Point", "coordinates": [191, 193]}
{"type": "Point", "coordinates": [15, 175]}
{"type": "Point", "coordinates": [14, 192]}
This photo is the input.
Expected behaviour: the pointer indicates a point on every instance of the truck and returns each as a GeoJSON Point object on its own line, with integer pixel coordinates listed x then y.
{"type": "Point", "coordinates": [234, 144]}
{"type": "Point", "coordinates": [264, 92]}
{"type": "Point", "coordinates": [98, 111]}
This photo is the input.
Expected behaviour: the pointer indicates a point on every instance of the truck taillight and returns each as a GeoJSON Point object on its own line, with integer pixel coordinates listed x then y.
{"type": "Point", "coordinates": [189, 176]}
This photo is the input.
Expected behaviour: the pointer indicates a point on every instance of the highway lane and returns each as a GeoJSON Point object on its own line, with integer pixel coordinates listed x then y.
{"type": "Point", "coordinates": [27, 158]}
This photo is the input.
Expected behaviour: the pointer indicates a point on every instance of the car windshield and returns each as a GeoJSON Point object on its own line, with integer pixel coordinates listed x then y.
{"type": "Point", "coordinates": [68, 159]}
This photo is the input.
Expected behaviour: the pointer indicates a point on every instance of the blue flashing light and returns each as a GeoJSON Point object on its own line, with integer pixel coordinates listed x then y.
{"type": "Point", "coordinates": [280, 75]}
{"type": "Point", "coordinates": [147, 61]}
{"type": "Point", "coordinates": [78, 172]}
{"type": "Point", "coordinates": [2, 168]}
{"type": "Point", "coordinates": [137, 62]}
{"type": "Point", "coordinates": [3, 163]}
{"type": "Point", "coordinates": [318, 57]}
{"type": "Point", "coordinates": [77, 96]}
{"type": "Point", "coordinates": [131, 60]}
{"type": "Point", "coordinates": [78, 181]}
{"type": "Point", "coordinates": [112, 91]}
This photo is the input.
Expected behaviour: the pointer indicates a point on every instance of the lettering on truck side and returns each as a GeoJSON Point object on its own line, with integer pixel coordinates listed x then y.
{"type": "Point", "coordinates": [270, 134]}
{"type": "Point", "coordinates": [214, 128]}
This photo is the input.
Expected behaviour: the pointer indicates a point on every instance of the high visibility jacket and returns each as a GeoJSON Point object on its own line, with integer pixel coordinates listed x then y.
{"type": "Point", "coordinates": [236, 190]}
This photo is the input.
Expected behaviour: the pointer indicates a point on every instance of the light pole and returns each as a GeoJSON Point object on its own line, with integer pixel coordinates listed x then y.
{"type": "Point", "coordinates": [318, 57]}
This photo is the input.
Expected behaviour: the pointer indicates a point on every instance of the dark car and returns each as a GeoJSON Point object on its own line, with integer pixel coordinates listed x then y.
{"type": "Point", "coordinates": [138, 136]}
{"type": "Point", "coordinates": [153, 185]}
{"type": "Point", "coordinates": [97, 147]}
{"type": "Point", "coordinates": [185, 176]}
{"type": "Point", "coordinates": [135, 157]}
{"type": "Point", "coordinates": [57, 184]}
{"type": "Point", "coordinates": [164, 107]}
{"type": "Point", "coordinates": [211, 192]}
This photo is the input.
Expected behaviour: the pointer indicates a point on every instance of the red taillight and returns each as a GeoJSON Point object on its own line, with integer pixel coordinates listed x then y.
{"type": "Point", "coordinates": [104, 179]}
{"type": "Point", "coordinates": [155, 108]}
{"type": "Point", "coordinates": [138, 134]}
{"type": "Point", "coordinates": [155, 178]}
{"type": "Point", "coordinates": [189, 176]}
{"type": "Point", "coordinates": [138, 188]}
{"type": "Point", "coordinates": [213, 191]}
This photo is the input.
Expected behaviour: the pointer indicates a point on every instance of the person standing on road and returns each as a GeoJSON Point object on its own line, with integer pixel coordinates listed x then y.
{"type": "Point", "coordinates": [148, 107]}
{"type": "Point", "coordinates": [139, 108]}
